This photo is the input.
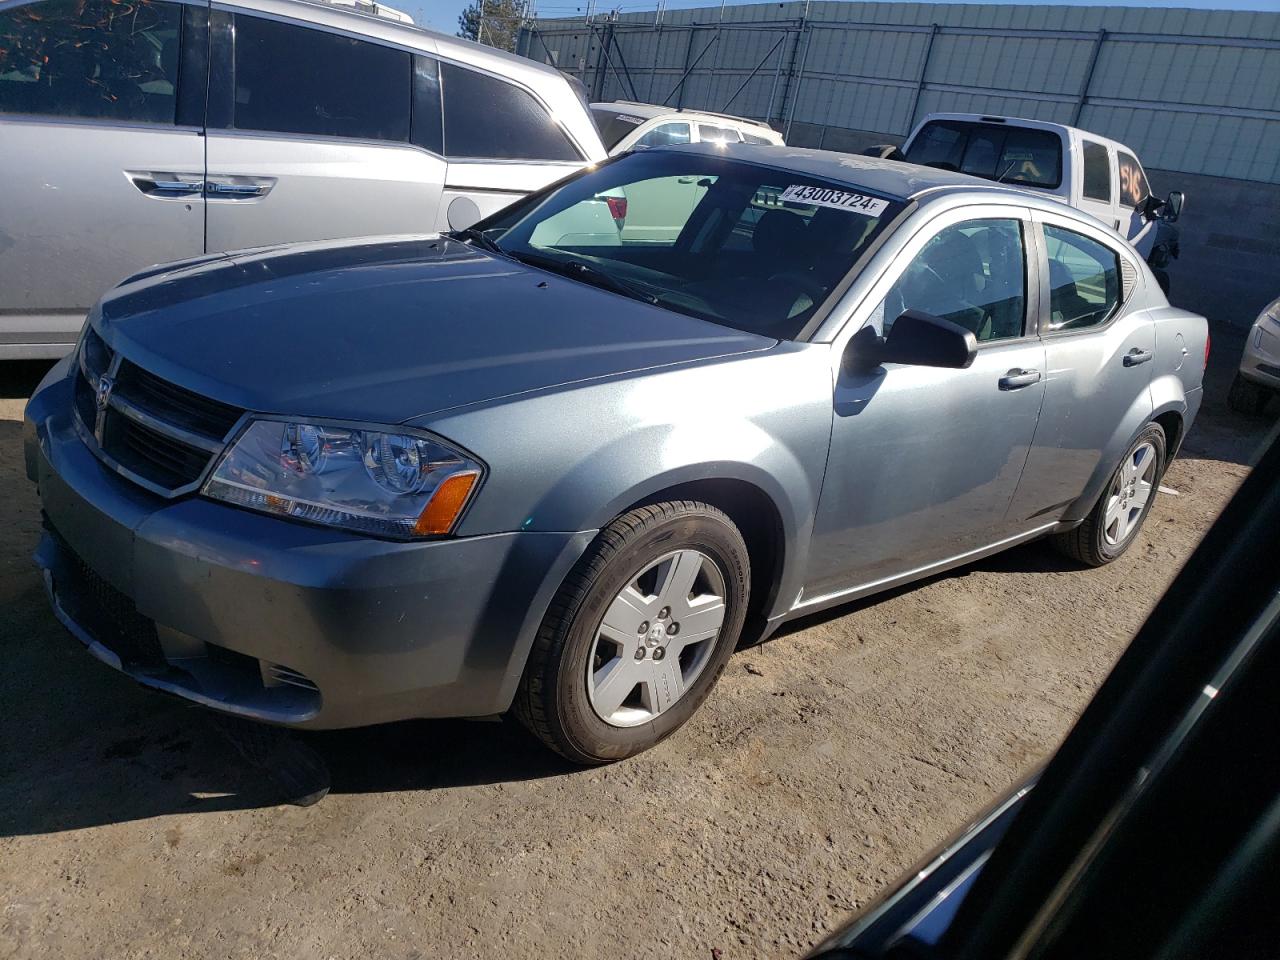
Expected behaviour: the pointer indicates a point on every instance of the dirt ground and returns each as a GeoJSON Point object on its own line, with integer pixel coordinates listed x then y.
{"type": "Point", "coordinates": [826, 763]}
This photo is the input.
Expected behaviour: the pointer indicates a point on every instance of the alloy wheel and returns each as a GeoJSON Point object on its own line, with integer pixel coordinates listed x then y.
{"type": "Point", "coordinates": [1130, 491]}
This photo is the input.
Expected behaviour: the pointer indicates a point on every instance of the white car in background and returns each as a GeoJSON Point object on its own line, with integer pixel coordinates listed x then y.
{"type": "Point", "coordinates": [654, 211]}
{"type": "Point", "coordinates": [1258, 378]}
{"type": "Point", "coordinates": [1091, 173]}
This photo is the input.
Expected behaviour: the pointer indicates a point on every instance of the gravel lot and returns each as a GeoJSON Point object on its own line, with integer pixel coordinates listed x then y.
{"type": "Point", "coordinates": [825, 763]}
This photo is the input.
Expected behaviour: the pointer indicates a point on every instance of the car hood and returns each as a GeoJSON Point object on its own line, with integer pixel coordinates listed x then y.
{"type": "Point", "coordinates": [387, 329]}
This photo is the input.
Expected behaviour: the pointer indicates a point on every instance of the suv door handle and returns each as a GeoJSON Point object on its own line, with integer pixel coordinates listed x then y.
{"type": "Point", "coordinates": [158, 185]}
{"type": "Point", "coordinates": [235, 191]}
{"type": "Point", "coordinates": [1016, 379]}
{"type": "Point", "coordinates": [1137, 356]}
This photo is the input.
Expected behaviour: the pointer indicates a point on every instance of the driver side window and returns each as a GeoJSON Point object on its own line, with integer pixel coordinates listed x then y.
{"type": "Point", "coordinates": [972, 273]}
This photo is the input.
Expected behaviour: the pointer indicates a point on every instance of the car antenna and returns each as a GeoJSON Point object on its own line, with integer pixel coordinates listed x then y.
{"type": "Point", "coordinates": [1000, 179]}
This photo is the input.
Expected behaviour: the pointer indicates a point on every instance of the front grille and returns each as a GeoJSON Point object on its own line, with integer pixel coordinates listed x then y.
{"type": "Point", "coordinates": [161, 435]}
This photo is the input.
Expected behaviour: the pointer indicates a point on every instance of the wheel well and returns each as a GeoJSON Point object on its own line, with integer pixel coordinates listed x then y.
{"type": "Point", "coordinates": [1171, 424]}
{"type": "Point", "coordinates": [757, 518]}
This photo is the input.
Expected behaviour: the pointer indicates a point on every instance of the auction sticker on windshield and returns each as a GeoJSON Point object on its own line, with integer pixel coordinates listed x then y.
{"type": "Point", "coordinates": [838, 199]}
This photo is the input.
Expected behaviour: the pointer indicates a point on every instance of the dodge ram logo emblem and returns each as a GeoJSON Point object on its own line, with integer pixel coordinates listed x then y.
{"type": "Point", "coordinates": [105, 386]}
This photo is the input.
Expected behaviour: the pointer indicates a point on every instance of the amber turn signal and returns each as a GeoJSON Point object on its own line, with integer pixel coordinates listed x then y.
{"type": "Point", "coordinates": [445, 504]}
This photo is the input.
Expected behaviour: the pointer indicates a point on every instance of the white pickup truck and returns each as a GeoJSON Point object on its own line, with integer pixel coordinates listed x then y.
{"type": "Point", "coordinates": [1094, 174]}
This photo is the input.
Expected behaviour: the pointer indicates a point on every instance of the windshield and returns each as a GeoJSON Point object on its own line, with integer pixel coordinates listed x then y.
{"type": "Point", "coordinates": [994, 151]}
{"type": "Point", "coordinates": [613, 126]}
{"type": "Point", "coordinates": [748, 246]}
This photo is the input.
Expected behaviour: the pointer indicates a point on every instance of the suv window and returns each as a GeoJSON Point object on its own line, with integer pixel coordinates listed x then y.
{"type": "Point", "coordinates": [994, 151]}
{"type": "Point", "coordinates": [291, 79]}
{"type": "Point", "coordinates": [1134, 188]}
{"type": "Point", "coordinates": [1097, 172]}
{"type": "Point", "coordinates": [752, 138]}
{"type": "Point", "coordinates": [1084, 279]}
{"type": "Point", "coordinates": [664, 135]}
{"type": "Point", "coordinates": [613, 126]}
{"type": "Point", "coordinates": [973, 274]}
{"type": "Point", "coordinates": [485, 117]}
{"type": "Point", "coordinates": [91, 58]}
{"type": "Point", "coordinates": [708, 132]}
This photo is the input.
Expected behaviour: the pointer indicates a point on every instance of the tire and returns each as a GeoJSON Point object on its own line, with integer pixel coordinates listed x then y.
{"type": "Point", "coordinates": [1247, 397]}
{"type": "Point", "coordinates": [1111, 527]}
{"type": "Point", "coordinates": [572, 710]}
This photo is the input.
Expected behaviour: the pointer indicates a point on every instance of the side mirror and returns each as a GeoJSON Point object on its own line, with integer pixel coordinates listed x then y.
{"type": "Point", "coordinates": [1172, 207]}
{"type": "Point", "coordinates": [884, 151]}
{"type": "Point", "coordinates": [919, 339]}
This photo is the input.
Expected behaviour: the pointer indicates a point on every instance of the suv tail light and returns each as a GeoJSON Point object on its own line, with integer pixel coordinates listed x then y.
{"type": "Point", "coordinates": [617, 209]}
{"type": "Point", "coordinates": [1207, 341]}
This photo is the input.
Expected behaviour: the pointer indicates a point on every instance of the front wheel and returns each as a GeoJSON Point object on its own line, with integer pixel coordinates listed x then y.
{"type": "Point", "coordinates": [1115, 519]}
{"type": "Point", "coordinates": [638, 634]}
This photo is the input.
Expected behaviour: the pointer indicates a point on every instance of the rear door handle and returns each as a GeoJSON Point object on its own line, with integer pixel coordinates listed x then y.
{"type": "Point", "coordinates": [1016, 379]}
{"type": "Point", "coordinates": [235, 191]}
{"type": "Point", "coordinates": [1137, 356]}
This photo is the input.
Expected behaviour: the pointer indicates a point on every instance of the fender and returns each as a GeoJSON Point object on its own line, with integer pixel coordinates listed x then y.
{"type": "Point", "coordinates": [1142, 412]}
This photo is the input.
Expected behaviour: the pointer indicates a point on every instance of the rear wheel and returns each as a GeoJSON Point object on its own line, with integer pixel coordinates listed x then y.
{"type": "Point", "coordinates": [1115, 519]}
{"type": "Point", "coordinates": [1247, 397]}
{"type": "Point", "coordinates": [638, 634]}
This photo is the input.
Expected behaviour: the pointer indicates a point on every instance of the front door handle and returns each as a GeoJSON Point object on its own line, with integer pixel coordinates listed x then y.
{"type": "Point", "coordinates": [1016, 379]}
{"type": "Point", "coordinates": [1137, 356]}
{"type": "Point", "coordinates": [164, 185]}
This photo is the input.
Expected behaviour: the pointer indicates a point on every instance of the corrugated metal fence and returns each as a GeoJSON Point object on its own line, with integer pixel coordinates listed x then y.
{"type": "Point", "coordinates": [1191, 90]}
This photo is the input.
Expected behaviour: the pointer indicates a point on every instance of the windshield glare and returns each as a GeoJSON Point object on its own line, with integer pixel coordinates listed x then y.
{"type": "Point", "coordinates": [740, 244]}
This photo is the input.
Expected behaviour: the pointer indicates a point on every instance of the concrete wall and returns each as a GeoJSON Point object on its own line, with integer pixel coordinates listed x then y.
{"type": "Point", "coordinates": [1229, 268]}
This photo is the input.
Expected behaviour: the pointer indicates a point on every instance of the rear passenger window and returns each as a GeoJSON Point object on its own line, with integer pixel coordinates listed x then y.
{"type": "Point", "coordinates": [708, 133]}
{"type": "Point", "coordinates": [752, 138]}
{"type": "Point", "coordinates": [1097, 172]}
{"type": "Point", "coordinates": [488, 118]}
{"type": "Point", "coordinates": [972, 274]}
{"type": "Point", "coordinates": [293, 79]}
{"type": "Point", "coordinates": [1084, 280]}
{"type": "Point", "coordinates": [665, 134]}
{"type": "Point", "coordinates": [92, 59]}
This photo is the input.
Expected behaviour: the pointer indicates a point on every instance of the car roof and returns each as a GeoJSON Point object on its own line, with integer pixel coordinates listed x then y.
{"type": "Point", "coordinates": [889, 178]}
{"type": "Point", "coordinates": [650, 110]}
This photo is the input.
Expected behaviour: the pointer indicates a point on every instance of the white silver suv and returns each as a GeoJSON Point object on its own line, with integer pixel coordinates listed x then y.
{"type": "Point", "coordinates": [628, 125]}
{"type": "Point", "coordinates": [137, 134]}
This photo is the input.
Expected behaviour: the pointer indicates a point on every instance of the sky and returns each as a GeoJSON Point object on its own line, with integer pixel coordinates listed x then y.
{"type": "Point", "coordinates": [442, 15]}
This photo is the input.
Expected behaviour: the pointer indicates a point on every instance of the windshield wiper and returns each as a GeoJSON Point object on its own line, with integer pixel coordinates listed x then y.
{"type": "Point", "coordinates": [477, 237]}
{"type": "Point", "coordinates": [578, 270]}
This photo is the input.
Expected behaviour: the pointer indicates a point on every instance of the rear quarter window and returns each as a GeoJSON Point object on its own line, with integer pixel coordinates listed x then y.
{"type": "Point", "coordinates": [613, 126]}
{"type": "Point", "coordinates": [488, 118]}
{"type": "Point", "coordinates": [1097, 172]}
{"type": "Point", "coordinates": [1134, 188]}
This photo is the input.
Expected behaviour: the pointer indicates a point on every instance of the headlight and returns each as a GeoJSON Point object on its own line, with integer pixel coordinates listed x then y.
{"type": "Point", "coordinates": [1270, 313]}
{"type": "Point", "coordinates": [392, 482]}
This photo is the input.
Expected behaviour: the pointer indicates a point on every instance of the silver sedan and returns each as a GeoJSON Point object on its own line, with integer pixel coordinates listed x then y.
{"type": "Point", "coordinates": [516, 469]}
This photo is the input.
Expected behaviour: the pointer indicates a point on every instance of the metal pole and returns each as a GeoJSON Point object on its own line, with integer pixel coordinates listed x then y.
{"type": "Point", "coordinates": [689, 69]}
{"type": "Point", "coordinates": [1088, 78]}
{"type": "Point", "coordinates": [617, 46]}
{"type": "Point", "coordinates": [773, 90]}
{"type": "Point", "coordinates": [751, 75]}
{"type": "Point", "coordinates": [791, 116]}
{"type": "Point", "coordinates": [924, 69]}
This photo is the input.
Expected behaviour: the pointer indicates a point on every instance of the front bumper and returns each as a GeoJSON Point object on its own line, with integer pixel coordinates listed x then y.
{"type": "Point", "coordinates": [274, 620]}
{"type": "Point", "coordinates": [1261, 360]}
